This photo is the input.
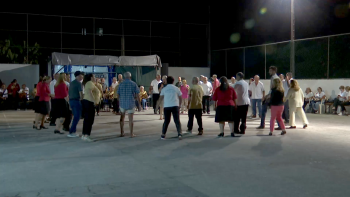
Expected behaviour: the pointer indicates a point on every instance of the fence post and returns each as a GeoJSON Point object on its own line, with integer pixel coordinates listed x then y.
{"type": "Point", "coordinates": [265, 62]}
{"type": "Point", "coordinates": [226, 74]}
{"type": "Point", "coordinates": [244, 61]}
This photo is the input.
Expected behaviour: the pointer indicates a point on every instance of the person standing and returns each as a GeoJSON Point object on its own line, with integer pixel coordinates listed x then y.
{"type": "Point", "coordinates": [184, 91]}
{"type": "Point", "coordinates": [153, 89]}
{"type": "Point", "coordinates": [99, 87]}
{"type": "Point", "coordinates": [195, 106]}
{"type": "Point", "coordinates": [207, 92]}
{"type": "Point", "coordinates": [258, 92]}
{"type": "Point", "coordinates": [160, 102]}
{"type": "Point", "coordinates": [179, 83]}
{"type": "Point", "coordinates": [266, 99]}
{"type": "Point", "coordinates": [60, 109]}
{"type": "Point", "coordinates": [128, 92]}
{"type": "Point", "coordinates": [226, 98]}
{"type": "Point", "coordinates": [68, 118]}
{"type": "Point", "coordinates": [114, 83]}
{"type": "Point", "coordinates": [286, 86]}
{"type": "Point", "coordinates": [75, 97]}
{"type": "Point", "coordinates": [216, 84]}
{"type": "Point", "coordinates": [172, 100]}
{"type": "Point", "coordinates": [43, 106]}
{"type": "Point", "coordinates": [13, 89]}
{"type": "Point", "coordinates": [233, 81]}
{"type": "Point", "coordinates": [104, 85]}
{"type": "Point", "coordinates": [36, 105]}
{"type": "Point", "coordinates": [52, 102]}
{"type": "Point", "coordinates": [90, 100]}
{"type": "Point", "coordinates": [295, 97]}
{"type": "Point", "coordinates": [116, 100]}
{"type": "Point", "coordinates": [120, 78]}
{"type": "Point", "coordinates": [241, 87]}
{"type": "Point", "coordinates": [277, 105]}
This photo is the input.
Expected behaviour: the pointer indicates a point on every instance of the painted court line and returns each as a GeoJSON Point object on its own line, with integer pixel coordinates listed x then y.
{"type": "Point", "coordinates": [8, 124]}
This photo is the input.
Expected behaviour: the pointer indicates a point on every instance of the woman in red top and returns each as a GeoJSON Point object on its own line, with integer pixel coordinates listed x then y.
{"type": "Point", "coordinates": [226, 99]}
{"type": "Point", "coordinates": [36, 106]}
{"type": "Point", "coordinates": [60, 107]}
{"type": "Point", "coordinates": [43, 106]}
{"type": "Point", "coordinates": [13, 89]}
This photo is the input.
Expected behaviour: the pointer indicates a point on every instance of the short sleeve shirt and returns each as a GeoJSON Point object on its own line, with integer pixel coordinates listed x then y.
{"type": "Point", "coordinates": [154, 84]}
{"type": "Point", "coordinates": [241, 87]}
{"type": "Point", "coordinates": [75, 89]}
{"type": "Point", "coordinates": [127, 92]}
{"type": "Point", "coordinates": [196, 95]}
{"type": "Point", "coordinates": [225, 98]}
{"type": "Point", "coordinates": [171, 95]}
{"type": "Point", "coordinates": [257, 90]}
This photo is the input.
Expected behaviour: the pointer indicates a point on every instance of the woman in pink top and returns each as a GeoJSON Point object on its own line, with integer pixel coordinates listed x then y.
{"type": "Point", "coordinates": [60, 109]}
{"type": "Point", "coordinates": [225, 98]}
{"type": "Point", "coordinates": [184, 90]}
{"type": "Point", "coordinates": [42, 106]}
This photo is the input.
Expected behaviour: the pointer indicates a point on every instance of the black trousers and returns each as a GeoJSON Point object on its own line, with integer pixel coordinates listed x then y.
{"type": "Point", "coordinates": [23, 103]}
{"type": "Point", "coordinates": [116, 105]}
{"type": "Point", "coordinates": [241, 116]}
{"type": "Point", "coordinates": [67, 120]}
{"type": "Point", "coordinates": [205, 104]}
{"type": "Point", "coordinates": [198, 114]}
{"type": "Point", "coordinates": [155, 98]}
{"type": "Point", "coordinates": [336, 103]}
{"type": "Point", "coordinates": [53, 118]}
{"type": "Point", "coordinates": [13, 101]}
{"type": "Point", "coordinates": [285, 114]}
{"type": "Point", "coordinates": [167, 116]}
{"type": "Point", "coordinates": [98, 107]}
{"type": "Point", "coordinates": [89, 116]}
{"type": "Point", "coordinates": [343, 105]}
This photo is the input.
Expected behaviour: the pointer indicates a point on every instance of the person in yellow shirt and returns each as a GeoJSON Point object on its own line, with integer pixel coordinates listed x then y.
{"type": "Point", "coordinates": [89, 102]}
{"type": "Point", "coordinates": [116, 100]}
{"type": "Point", "coordinates": [99, 86]}
{"type": "Point", "coordinates": [143, 97]}
{"type": "Point", "coordinates": [195, 106]}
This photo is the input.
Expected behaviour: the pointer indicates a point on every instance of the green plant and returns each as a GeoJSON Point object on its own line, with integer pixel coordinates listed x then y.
{"type": "Point", "coordinates": [11, 53]}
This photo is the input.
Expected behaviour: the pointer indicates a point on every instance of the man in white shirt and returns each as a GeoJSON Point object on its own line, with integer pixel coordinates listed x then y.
{"type": "Point", "coordinates": [114, 83]}
{"type": "Point", "coordinates": [233, 81]}
{"type": "Point", "coordinates": [24, 96]}
{"type": "Point", "coordinates": [286, 86]}
{"type": "Point", "coordinates": [258, 92]}
{"type": "Point", "coordinates": [241, 87]}
{"type": "Point", "coordinates": [52, 91]}
{"type": "Point", "coordinates": [153, 89]}
{"type": "Point", "coordinates": [207, 90]}
{"type": "Point", "coordinates": [172, 99]}
{"type": "Point", "coordinates": [3, 96]}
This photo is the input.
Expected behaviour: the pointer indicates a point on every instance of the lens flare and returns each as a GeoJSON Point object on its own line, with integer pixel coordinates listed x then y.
{"type": "Point", "coordinates": [263, 10]}
{"type": "Point", "coordinates": [235, 38]}
{"type": "Point", "coordinates": [249, 23]}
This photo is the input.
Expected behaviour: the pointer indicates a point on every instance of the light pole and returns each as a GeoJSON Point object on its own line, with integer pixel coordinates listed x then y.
{"type": "Point", "coordinates": [292, 37]}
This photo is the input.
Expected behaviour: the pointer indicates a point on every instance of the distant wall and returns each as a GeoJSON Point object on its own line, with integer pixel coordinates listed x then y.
{"type": "Point", "coordinates": [188, 72]}
{"type": "Point", "coordinates": [329, 86]}
{"type": "Point", "coordinates": [28, 75]}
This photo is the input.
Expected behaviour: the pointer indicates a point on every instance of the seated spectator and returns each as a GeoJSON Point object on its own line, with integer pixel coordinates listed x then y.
{"type": "Point", "coordinates": [342, 96]}
{"type": "Point", "coordinates": [3, 96]}
{"type": "Point", "coordinates": [13, 89]}
{"type": "Point", "coordinates": [346, 102]}
{"type": "Point", "coordinates": [317, 99]}
{"type": "Point", "coordinates": [23, 96]}
{"type": "Point", "coordinates": [308, 97]}
{"type": "Point", "coordinates": [143, 98]}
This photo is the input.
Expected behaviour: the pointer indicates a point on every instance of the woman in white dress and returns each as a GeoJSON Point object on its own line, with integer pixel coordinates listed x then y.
{"type": "Point", "coordinates": [295, 98]}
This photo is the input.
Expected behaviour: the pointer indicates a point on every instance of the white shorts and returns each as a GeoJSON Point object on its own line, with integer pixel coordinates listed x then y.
{"type": "Point", "coordinates": [130, 111]}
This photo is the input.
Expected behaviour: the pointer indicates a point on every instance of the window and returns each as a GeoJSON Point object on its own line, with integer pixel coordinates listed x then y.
{"type": "Point", "coordinates": [52, 40]}
{"type": "Point", "coordinates": [44, 23]}
{"type": "Point", "coordinates": [165, 29]}
{"type": "Point", "coordinates": [139, 28]}
{"type": "Point", "coordinates": [108, 26]}
{"type": "Point", "coordinates": [108, 42]}
{"type": "Point", "coordinates": [311, 59]}
{"type": "Point", "coordinates": [76, 25]}
{"type": "Point", "coordinates": [77, 41]}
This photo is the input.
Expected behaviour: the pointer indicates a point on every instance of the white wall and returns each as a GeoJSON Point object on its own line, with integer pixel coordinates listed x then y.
{"type": "Point", "coordinates": [329, 86]}
{"type": "Point", "coordinates": [28, 75]}
{"type": "Point", "coordinates": [188, 72]}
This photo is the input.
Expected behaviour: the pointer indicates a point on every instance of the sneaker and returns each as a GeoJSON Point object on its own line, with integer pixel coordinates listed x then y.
{"type": "Point", "coordinates": [340, 114]}
{"type": "Point", "coordinates": [83, 137]}
{"type": "Point", "coordinates": [72, 135]}
{"type": "Point", "coordinates": [88, 139]}
{"type": "Point", "coordinates": [180, 137]}
{"type": "Point", "coordinates": [189, 131]}
{"type": "Point", "coordinates": [162, 137]}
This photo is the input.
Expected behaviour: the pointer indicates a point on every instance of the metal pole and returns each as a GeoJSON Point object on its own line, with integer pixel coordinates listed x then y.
{"type": "Point", "coordinates": [292, 38]}
{"type": "Point", "coordinates": [61, 35]}
{"type": "Point", "coordinates": [27, 45]}
{"type": "Point", "coordinates": [209, 42]}
{"type": "Point", "coordinates": [226, 74]}
{"type": "Point", "coordinates": [150, 37]}
{"type": "Point", "coordinates": [265, 62]}
{"type": "Point", "coordinates": [94, 34]}
{"type": "Point", "coordinates": [328, 58]}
